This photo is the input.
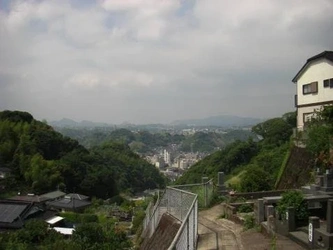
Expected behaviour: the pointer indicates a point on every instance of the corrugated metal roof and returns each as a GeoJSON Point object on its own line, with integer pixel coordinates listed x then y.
{"type": "Point", "coordinates": [54, 220]}
{"type": "Point", "coordinates": [64, 230]}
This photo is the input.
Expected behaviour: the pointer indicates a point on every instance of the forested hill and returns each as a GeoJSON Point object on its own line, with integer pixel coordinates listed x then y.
{"type": "Point", "coordinates": [42, 159]}
{"type": "Point", "coordinates": [250, 165]}
{"type": "Point", "coordinates": [147, 142]}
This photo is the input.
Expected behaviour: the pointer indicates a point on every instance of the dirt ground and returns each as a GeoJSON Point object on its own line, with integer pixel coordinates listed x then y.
{"type": "Point", "coordinates": [222, 234]}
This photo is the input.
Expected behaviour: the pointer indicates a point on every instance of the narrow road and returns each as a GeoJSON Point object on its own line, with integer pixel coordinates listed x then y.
{"type": "Point", "coordinates": [217, 233]}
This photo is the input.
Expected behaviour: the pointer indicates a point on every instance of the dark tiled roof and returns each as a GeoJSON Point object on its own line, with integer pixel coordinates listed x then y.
{"type": "Point", "coordinates": [326, 54]}
{"type": "Point", "coordinates": [28, 198]}
{"type": "Point", "coordinates": [77, 196]}
{"type": "Point", "coordinates": [69, 203]}
{"type": "Point", "coordinates": [10, 212]}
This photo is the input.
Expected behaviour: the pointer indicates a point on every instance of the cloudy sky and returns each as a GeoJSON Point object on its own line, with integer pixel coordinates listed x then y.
{"type": "Point", "coordinates": [145, 61]}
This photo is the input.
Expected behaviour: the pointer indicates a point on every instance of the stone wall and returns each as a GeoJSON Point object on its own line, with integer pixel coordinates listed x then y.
{"type": "Point", "coordinates": [258, 195]}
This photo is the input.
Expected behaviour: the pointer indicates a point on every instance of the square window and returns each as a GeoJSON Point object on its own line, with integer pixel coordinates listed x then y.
{"type": "Point", "coordinates": [326, 83]}
{"type": "Point", "coordinates": [310, 88]}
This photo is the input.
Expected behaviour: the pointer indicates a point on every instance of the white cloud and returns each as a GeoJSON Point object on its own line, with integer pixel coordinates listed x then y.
{"type": "Point", "coordinates": [187, 58]}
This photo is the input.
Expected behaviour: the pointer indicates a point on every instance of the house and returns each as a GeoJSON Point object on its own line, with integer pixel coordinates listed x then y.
{"type": "Point", "coordinates": [71, 202]}
{"type": "Point", "coordinates": [314, 83]}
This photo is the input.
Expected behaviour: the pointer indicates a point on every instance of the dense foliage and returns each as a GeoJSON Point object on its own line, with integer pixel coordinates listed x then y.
{"type": "Point", "coordinates": [37, 235]}
{"type": "Point", "coordinates": [319, 139]}
{"type": "Point", "coordinates": [255, 165]}
{"type": "Point", "coordinates": [42, 159]}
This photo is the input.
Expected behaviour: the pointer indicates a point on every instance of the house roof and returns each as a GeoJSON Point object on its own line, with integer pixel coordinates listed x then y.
{"type": "Point", "coordinates": [28, 198]}
{"type": "Point", "coordinates": [10, 212]}
{"type": "Point", "coordinates": [77, 196]}
{"type": "Point", "coordinates": [53, 195]}
{"type": "Point", "coordinates": [328, 55]}
{"type": "Point", "coordinates": [63, 230]}
{"type": "Point", "coordinates": [54, 220]}
{"type": "Point", "coordinates": [69, 203]}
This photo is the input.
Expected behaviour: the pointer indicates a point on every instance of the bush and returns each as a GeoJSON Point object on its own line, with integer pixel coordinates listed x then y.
{"type": "Point", "coordinates": [79, 218]}
{"type": "Point", "coordinates": [249, 222]}
{"type": "Point", "coordinates": [293, 199]}
{"type": "Point", "coordinates": [245, 208]}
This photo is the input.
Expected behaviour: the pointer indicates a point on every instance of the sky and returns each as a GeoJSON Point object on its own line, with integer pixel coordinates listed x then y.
{"type": "Point", "coordinates": [155, 61]}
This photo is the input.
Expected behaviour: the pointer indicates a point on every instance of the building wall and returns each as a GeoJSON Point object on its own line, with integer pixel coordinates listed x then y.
{"type": "Point", "coordinates": [304, 113]}
{"type": "Point", "coordinates": [317, 71]}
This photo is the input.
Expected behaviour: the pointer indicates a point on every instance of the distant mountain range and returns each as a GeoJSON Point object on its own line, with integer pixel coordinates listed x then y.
{"type": "Point", "coordinates": [65, 122]}
{"type": "Point", "coordinates": [221, 121]}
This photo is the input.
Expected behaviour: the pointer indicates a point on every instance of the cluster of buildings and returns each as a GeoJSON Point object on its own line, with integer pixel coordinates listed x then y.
{"type": "Point", "coordinates": [172, 162]}
{"type": "Point", "coordinates": [16, 210]}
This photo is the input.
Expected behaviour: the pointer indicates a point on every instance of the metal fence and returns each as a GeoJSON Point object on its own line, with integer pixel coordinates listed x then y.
{"type": "Point", "coordinates": [181, 204]}
{"type": "Point", "coordinates": [184, 206]}
{"type": "Point", "coordinates": [205, 192]}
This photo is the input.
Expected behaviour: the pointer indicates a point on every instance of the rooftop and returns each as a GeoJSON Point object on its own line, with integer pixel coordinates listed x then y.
{"type": "Point", "coordinates": [53, 195]}
{"type": "Point", "coordinates": [328, 55]}
{"type": "Point", "coordinates": [69, 203]}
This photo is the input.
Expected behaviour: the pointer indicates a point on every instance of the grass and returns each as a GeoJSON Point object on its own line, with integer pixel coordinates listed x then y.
{"type": "Point", "coordinates": [236, 180]}
{"type": "Point", "coordinates": [283, 167]}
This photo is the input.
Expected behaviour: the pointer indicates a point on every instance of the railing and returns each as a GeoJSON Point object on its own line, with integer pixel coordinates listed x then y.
{"type": "Point", "coordinates": [182, 205]}
{"type": "Point", "coordinates": [204, 191]}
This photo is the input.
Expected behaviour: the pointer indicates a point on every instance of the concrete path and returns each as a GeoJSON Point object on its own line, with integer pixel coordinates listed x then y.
{"type": "Point", "coordinates": [217, 233]}
{"type": "Point", "coordinates": [222, 234]}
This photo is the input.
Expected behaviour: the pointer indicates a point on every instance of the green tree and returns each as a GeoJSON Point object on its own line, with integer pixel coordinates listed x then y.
{"type": "Point", "coordinates": [255, 180]}
{"type": "Point", "coordinates": [320, 136]}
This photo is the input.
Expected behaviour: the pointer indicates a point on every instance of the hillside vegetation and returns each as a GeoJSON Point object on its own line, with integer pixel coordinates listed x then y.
{"type": "Point", "coordinates": [42, 159]}
{"type": "Point", "coordinates": [253, 165]}
{"type": "Point", "coordinates": [145, 141]}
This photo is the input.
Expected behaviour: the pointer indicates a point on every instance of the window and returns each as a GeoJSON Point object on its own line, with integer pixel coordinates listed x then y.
{"type": "Point", "coordinates": [310, 88]}
{"type": "Point", "coordinates": [307, 117]}
{"type": "Point", "coordinates": [328, 83]}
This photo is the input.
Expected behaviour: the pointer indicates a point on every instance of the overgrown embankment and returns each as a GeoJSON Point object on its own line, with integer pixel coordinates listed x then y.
{"type": "Point", "coordinates": [296, 170]}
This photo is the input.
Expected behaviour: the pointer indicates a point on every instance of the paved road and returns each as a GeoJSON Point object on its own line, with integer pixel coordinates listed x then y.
{"type": "Point", "coordinates": [222, 234]}
{"type": "Point", "coordinates": [217, 233]}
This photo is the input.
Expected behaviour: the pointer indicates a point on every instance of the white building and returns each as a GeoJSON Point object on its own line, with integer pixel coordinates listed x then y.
{"type": "Point", "coordinates": [167, 157]}
{"type": "Point", "coordinates": [314, 83]}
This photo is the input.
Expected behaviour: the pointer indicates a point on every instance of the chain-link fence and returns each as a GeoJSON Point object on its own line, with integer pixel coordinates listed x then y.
{"type": "Point", "coordinates": [205, 192]}
{"type": "Point", "coordinates": [183, 206]}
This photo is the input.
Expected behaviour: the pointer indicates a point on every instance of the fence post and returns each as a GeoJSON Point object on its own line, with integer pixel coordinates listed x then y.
{"type": "Point", "coordinates": [204, 182]}
{"type": "Point", "coordinates": [181, 205]}
{"type": "Point", "coordinates": [188, 234]}
{"type": "Point", "coordinates": [167, 194]}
